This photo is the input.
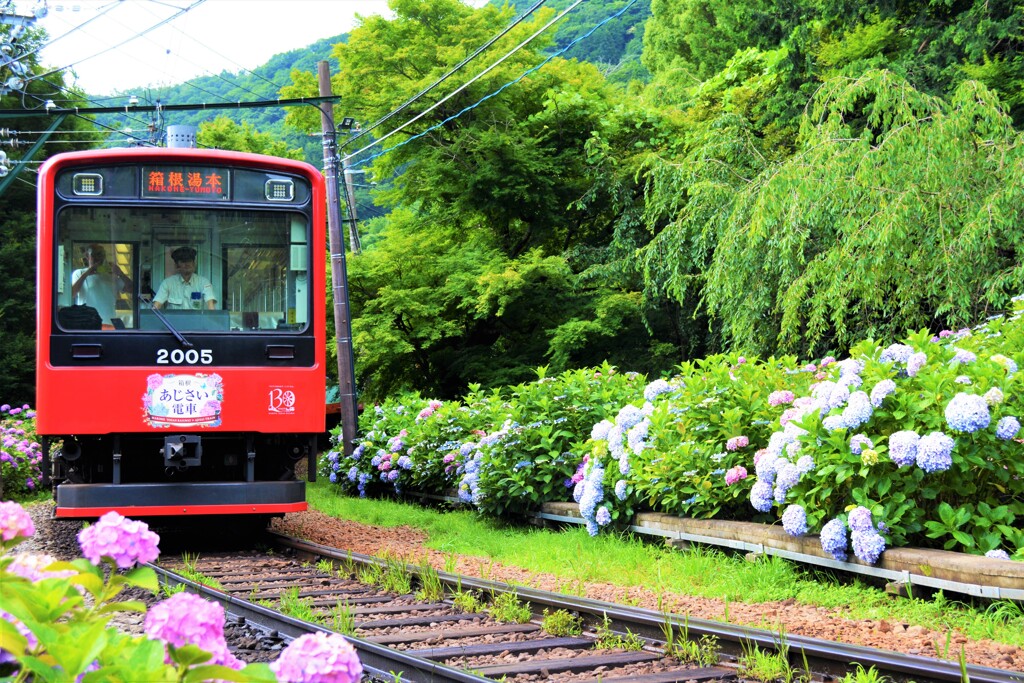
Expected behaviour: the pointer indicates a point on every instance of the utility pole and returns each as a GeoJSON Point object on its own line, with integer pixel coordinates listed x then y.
{"type": "Point", "coordinates": [339, 278]}
{"type": "Point", "coordinates": [353, 219]}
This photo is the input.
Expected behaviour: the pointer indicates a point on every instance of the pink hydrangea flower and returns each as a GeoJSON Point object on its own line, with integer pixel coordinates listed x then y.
{"type": "Point", "coordinates": [14, 521]}
{"type": "Point", "coordinates": [318, 658]}
{"type": "Point", "coordinates": [778, 398]}
{"type": "Point", "coordinates": [187, 619]}
{"type": "Point", "coordinates": [33, 566]}
{"type": "Point", "coordinates": [126, 541]}
{"type": "Point", "coordinates": [734, 474]}
{"type": "Point", "coordinates": [737, 442]}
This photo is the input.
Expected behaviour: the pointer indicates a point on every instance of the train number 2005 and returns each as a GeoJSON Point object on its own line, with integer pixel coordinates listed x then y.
{"type": "Point", "coordinates": [186, 357]}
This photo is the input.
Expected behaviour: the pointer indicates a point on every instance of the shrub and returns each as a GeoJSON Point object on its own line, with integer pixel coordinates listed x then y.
{"type": "Point", "coordinates": [20, 452]}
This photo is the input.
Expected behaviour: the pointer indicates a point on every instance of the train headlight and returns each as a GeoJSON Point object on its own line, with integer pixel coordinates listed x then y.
{"type": "Point", "coordinates": [87, 184]}
{"type": "Point", "coordinates": [280, 190]}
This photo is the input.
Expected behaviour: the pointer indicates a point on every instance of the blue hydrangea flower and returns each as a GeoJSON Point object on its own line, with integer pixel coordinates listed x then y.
{"type": "Point", "coordinates": [916, 362]}
{"type": "Point", "coordinates": [761, 496]}
{"type": "Point", "coordinates": [592, 527]}
{"type": "Point", "coordinates": [788, 476]}
{"type": "Point", "coordinates": [963, 356]}
{"type": "Point", "coordinates": [857, 411]}
{"type": "Point", "coordinates": [859, 519]}
{"type": "Point", "coordinates": [628, 416]}
{"type": "Point", "coordinates": [600, 430]}
{"type": "Point", "coordinates": [353, 473]}
{"type": "Point", "coordinates": [878, 393]}
{"type": "Point", "coordinates": [867, 545]}
{"type": "Point", "coordinates": [833, 539]}
{"type": "Point", "coordinates": [903, 447]}
{"type": "Point", "coordinates": [858, 442]}
{"type": "Point", "coordinates": [603, 517]}
{"type": "Point", "coordinates": [967, 413]}
{"type": "Point", "coordinates": [834, 423]}
{"type": "Point", "coordinates": [656, 388]}
{"type": "Point", "coordinates": [935, 452]}
{"type": "Point", "coordinates": [794, 520]}
{"type": "Point", "coordinates": [896, 353]}
{"type": "Point", "coordinates": [334, 477]}
{"type": "Point", "coordinates": [620, 489]}
{"type": "Point", "coordinates": [405, 462]}
{"type": "Point", "coordinates": [637, 436]}
{"type": "Point", "coordinates": [577, 490]}
{"type": "Point", "coordinates": [998, 554]}
{"type": "Point", "coordinates": [963, 379]}
{"type": "Point", "coordinates": [1007, 428]}
{"type": "Point", "coordinates": [805, 464]}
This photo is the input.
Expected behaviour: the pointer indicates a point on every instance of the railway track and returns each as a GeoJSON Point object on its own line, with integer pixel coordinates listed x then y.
{"type": "Point", "coordinates": [418, 624]}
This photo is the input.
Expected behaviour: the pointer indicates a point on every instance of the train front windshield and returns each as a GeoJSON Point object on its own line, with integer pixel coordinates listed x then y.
{"type": "Point", "coordinates": [204, 269]}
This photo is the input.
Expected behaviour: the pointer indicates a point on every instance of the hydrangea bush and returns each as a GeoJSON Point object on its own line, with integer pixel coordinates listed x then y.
{"type": "Point", "coordinates": [20, 452]}
{"type": "Point", "coordinates": [500, 450]}
{"type": "Point", "coordinates": [50, 631]}
{"type": "Point", "coordinates": [917, 442]}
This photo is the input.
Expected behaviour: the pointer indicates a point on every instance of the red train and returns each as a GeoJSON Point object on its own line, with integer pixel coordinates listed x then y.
{"type": "Point", "coordinates": [180, 348]}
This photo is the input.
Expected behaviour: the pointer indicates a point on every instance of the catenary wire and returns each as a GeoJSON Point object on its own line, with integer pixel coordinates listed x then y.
{"type": "Point", "coordinates": [169, 19]}
{"type": "Point", "coordinates": [469, 82]}
{"type": "Point", "coordinates": [523, 75]}
{"type": "Point", "coordinates": [453, 70]}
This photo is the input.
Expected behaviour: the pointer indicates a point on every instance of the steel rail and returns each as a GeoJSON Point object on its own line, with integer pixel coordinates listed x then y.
{"type": "Point", "coordinates": [376, 659]}
{"type": "Point", "coordinates": [828, 657]}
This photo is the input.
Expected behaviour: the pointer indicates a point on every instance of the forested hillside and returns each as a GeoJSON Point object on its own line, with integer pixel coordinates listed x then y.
{"type": "Point", "coordinates": [779, 177]}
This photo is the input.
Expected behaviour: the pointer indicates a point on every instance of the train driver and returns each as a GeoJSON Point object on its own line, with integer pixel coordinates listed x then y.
{"type": "Point", "coordinates": [185, 290]}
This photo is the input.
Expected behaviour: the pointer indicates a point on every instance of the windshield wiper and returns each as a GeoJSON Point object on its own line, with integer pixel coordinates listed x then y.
{"type": "Point", "coordinates": [167, 323]}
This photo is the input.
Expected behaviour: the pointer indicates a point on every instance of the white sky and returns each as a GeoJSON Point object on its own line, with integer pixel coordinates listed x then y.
{"type": "Point", "coordinates": [214, 36]}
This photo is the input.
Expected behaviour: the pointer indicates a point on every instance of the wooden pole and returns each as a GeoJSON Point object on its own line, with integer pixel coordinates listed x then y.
{"type": "Point", "coordinates": [339, 278]}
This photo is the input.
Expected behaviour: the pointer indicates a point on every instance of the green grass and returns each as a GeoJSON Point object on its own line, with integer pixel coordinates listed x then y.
{"type": "Point", "coordinates": [576, 558]}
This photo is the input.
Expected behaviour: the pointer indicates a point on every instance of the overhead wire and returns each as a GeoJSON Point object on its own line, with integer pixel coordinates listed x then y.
{"type": "Point", "coordinates": [523, 75]}
{"type": "Point", "coordinates": [470, 81]}
{"type": "Point", "coordinates": [100, 12]}
{"type": "Point", "coordinates": [402, 107]}
{"type": "Point", "coordinates": [169, 19]}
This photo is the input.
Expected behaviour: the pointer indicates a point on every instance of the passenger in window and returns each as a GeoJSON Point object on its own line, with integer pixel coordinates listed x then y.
{"type": "Point", "coordinates": [99, 282]}
{"type": "Point", "coordinates": [185, 290]}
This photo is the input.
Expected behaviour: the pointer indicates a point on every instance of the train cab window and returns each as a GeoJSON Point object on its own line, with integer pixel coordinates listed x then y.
{"type": "Point", "coordinates": [205, 269]}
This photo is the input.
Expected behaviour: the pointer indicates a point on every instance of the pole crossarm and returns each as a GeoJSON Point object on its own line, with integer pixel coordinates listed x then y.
{"type": "Point", "coordinates": [280, 102]}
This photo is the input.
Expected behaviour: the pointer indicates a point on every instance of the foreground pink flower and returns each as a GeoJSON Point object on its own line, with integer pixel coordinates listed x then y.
{"type": "Point", "coordinates": [735, 474]}
{"type": "Point", "coordinates": [318, 658]}
{"type": "Point", "coordinates": [33, 567]}
{"type": "Point", "coordinates": [14, 521]}
{"type": "Point", "coordinates": [187, 619]}
{"type": "Point", "coordinates": [124, 540]}
{"type": "Point", "coordinates": [737, 442]}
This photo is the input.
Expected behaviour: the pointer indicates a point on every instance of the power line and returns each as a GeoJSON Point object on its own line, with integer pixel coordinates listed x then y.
{"type": "Point", "coordinates": [127, 40]}
{"type": "Point", "coordinates": [493, 93]}
{"type": "Point", "coordinates": [469, 82]}
{"type": "Point", "coordinates": [443, 78]}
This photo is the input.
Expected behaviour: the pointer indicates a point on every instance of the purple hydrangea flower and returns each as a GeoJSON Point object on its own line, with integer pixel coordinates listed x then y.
{"type": "Point", "coordinates": [903, 447]}
{"type": "Point", "coordinates": [916, 362]}
{"type": "Point", "coordinates": [857, 411]}
{"type": "Point", "coordinates": [833, 539]}
{"type": "Point", "coordinates": [867, 545]}
{"type": "Point", "coordinates": [603, 516]}
{"type": "Point", "coordinates": [318, 658]}
{"type": "Point", "coordinates": [963, 356]}
{"type": "Point", "coordinates": [998, 554]}
{"type": "Point", "coordinates": [620, 489]}
{"type": "Point", "coordinates": [896, 353]}
{"type": "Point", "coordinates": [1007, 428]}
{"type": "Point", "coordinates": [794, 520]}
{"type": "Point", "coordinates": [935, 452]}
{"type": "Point", "coordinates": [761, 496]}
{"type": "Point", "coordinates": [124, 540]}
{"type": "Point", "coordinates": [859, 519]}
{"type": "Point", "coordinates": [187, 619]}
{"type": "Point", "coordinates": [858, 442]}
{"type": "Point", "coordinates": [600, 430]}
{"type": "Point", "coordinates": [878, 393]}
{"type": "Point", "coordinates": [967, 413]}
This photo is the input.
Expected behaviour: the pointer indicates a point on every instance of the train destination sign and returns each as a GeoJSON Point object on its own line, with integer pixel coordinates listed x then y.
{"type": "Point", "coordinates": [186, 182]}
